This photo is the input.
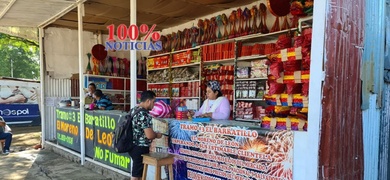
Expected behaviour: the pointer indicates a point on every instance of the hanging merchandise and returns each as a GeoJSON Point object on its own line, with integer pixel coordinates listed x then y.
{"type": "Point", "coordinates": [201, 31]}
{"type": "Point", "coordinates": [246, 14]}
{"type": "Point", "coordinates": [279, 8]}
{"type": "Point", "coordinates": [301, 8]}
{"type": "Point", "coordinates": [254, 13]}
{"type": "Point", "coordinates": [194, 34]}
{"type": "Point", "coordinates": [240, 20]}
{"type": "Point", "coordinates": [213, 29]}
{"type": "Point", "coordinates": [99, 54]}
{"type": "Point", "coordinates": [89, 69]}
{"type": "Point", "coordinates": [232, 20]}
{"type": "Point", "coordinates": [263, 19]}
{"type": "Point", "coordinates": [225, 22]}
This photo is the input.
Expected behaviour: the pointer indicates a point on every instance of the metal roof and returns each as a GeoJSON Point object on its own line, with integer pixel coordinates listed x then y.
{"type": "Point", "coordinates": [32, 13]}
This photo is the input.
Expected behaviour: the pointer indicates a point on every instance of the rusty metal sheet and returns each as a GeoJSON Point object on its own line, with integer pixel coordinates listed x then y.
{"type": "Point", "coordinates": [341, 143]}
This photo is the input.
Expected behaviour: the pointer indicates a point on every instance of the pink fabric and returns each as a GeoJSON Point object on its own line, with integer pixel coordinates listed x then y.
{"type": "Point", "coordinates": [160, 110]}
{"type": "Point", "coordinates": [221, 113]}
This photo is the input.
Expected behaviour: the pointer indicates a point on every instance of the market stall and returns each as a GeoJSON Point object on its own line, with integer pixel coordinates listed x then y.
{"type": "Point", "coordinates": [264, 72]}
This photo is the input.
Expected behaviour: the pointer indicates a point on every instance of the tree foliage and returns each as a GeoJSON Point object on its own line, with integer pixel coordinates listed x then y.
{"type": "Point", "coordinates": [24, 55]}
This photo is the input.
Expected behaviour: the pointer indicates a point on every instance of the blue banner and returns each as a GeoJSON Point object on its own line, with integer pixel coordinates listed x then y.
{"type": "Point", "coordinates": [26, 114]}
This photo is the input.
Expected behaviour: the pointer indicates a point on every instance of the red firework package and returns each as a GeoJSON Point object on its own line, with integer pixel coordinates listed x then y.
{"type": "Point", "coordinates": [305, 52]}
{"type": "Point", "coordinates": [269, 48]}
{"type": "Point", "coordinates": [306, 63]}
{"type": "Point", "coordinates": [276, 88]}
{"type": "Point", "coordinates": [284, 41]}
{"type": "Point", "coordinates": [293, 88]}
{"type": "Point", "coordinates": [307, 33]}
{"type": "Point", "coordinates": [298, 41]}
{"type": "Point", "coordinates": [292, 65]}
{"type": "Point", "coordinates": [305, 89]}
{"type": "Point", "coordinates": [276, 68]}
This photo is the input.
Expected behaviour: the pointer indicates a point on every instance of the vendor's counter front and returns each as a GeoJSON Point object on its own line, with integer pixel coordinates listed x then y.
{"type": "Point", "coordinates": [220, 149]}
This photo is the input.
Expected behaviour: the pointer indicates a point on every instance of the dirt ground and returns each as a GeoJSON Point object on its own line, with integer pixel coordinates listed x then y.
{"type": "Point", "coordinates": [25, 138]}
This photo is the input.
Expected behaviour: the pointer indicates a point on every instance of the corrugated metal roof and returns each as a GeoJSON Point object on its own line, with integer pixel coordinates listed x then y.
{"type": "Point", "coordinates": [30, 13]}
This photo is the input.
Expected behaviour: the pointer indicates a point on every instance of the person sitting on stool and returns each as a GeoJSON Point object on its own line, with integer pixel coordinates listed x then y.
{"type": "Point", "coordinates": [5, 135]}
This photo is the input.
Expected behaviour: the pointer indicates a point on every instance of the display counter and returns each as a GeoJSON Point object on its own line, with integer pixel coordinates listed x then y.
{"type": "Point", "coordinates": [220, 149]}
{"type": "Point", "coordinates": [225, 149]}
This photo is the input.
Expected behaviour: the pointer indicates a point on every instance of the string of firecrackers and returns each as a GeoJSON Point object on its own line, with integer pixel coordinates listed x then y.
{"type": "Point", "coordinates": [287, 122]}
{"type": "Point", "coordinates": [289, 54]}
{"type": "Point", "coordinates": [293, 100]}
{"type": "Point", "coordinates": [291, 77]}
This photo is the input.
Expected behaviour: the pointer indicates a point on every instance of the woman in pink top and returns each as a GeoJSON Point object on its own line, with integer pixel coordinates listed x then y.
{"type": "Point", "coordinates": [216, 106]}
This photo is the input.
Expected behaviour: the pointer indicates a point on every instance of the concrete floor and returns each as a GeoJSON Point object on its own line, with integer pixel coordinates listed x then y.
{"type": "Point", "coordinates": [26, 163]}
{"type": "Point", "coordinates": [43, 165]}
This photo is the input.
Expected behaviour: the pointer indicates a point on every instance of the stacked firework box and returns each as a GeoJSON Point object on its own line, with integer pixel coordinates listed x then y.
{"type": "Point", "coordinates": [218, 51]}
{"type": "Point", "coordinates": [256, 49]}
{"type": "Point", "coordinates": [181, 113]}
{"type": "Point", "coordinates": [288, 84]}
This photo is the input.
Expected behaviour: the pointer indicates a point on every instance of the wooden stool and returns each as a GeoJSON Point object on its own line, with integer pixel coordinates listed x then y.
{"type": "Point", "coordinates": [2, 141]}
{"type": "Point", "coordinates": [158, 160]}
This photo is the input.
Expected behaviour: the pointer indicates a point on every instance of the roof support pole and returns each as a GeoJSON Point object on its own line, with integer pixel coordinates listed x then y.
{"type": "Point", "coordinates": [80, 14]}
{"type": "Point", "coordinates": [133, 58]}
{"type": "Point", "coordinates": [43, 83]}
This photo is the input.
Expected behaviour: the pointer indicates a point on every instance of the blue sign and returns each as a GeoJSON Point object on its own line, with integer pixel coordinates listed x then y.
{"type": "Point", "coordinates": [21, 114]}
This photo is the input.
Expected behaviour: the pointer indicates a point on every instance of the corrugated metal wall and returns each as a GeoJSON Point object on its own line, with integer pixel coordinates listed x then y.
{"type": "Point", "coordinates": [54, 88]}
{"type": "Point", "coordinates": [372, 83]}
{"type": "Point", "coordinates": [384, 151]}
{"type": "Point", "coordinates": [341, 146]}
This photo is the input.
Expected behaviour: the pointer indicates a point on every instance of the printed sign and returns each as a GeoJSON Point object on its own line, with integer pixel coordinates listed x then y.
{"type": "Point", "coordinates": [99, 127]}
{"type": "Point", "coordinates": [212, 151]}
{"type": "Point", "coordinates": [132, 33]}
{"type": "Point", "coordinates": [19, 104]}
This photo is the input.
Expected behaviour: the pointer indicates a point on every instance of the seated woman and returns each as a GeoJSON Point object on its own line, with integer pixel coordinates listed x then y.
{"type": "Point", "coordinates": [102, 102]}
{"type": "Point", "coordinates": [216, 106]}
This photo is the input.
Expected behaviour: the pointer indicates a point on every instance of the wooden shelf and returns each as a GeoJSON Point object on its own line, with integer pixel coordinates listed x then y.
{"type": "Point", "coordinates": [231, 60]}
{"type": "Point", "coordinates": [265, 37]}
{"type": "Point", "coordinates": [158, 55]}
{"type": "Point", "coordinates": [120, 103]}
{"type": "Point", "coordinates": [185, 81]}
{"type": "Point", "coordinates": [163, 98]}
{"type": "Point", "coordinates": [251, 79]}
{"type": "Point", "coordinates": [111, 90]}
{"type": "Point", "coordinates": [185, 97]}
{"type": "Point", "coordinates": [186, 65]}
{"type": "Point", "coordinates": [157, 69]}
{"type": "Point", "coordinates": [185, 50]}
{"type": "Point", "coordinates": [248, 99]}
{"type": "Point", "coordinates": [174, 52]}
{"type": "Point", "coordinates": [158, 83]}
{"type": "Point", "coordinates": [250, 58]}
{"type": "Point", "coordinates": [110, 77]}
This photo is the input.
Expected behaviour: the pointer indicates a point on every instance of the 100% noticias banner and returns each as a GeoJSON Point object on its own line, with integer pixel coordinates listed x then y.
{"type": "Point", "coordinates": [132, 32]}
